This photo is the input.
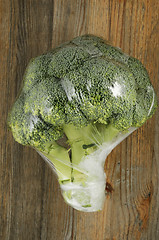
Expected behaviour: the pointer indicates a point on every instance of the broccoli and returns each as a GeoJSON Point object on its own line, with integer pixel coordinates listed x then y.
{"type": "Point", "coordinates": [77, 103]}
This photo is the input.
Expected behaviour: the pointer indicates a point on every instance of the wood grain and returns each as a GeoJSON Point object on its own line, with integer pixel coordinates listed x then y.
{"type": "Point", "coordinates": [31, 206]}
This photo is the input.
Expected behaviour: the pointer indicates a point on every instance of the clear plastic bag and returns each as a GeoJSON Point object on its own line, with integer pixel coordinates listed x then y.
{"type": "Point", "coordinates": [76, 104]}
{"type": "Point", "coordinates": [88, 193]}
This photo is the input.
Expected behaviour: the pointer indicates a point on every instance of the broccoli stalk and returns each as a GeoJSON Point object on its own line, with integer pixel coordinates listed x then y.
{"type": "Point", "coordinates": [80, 168]}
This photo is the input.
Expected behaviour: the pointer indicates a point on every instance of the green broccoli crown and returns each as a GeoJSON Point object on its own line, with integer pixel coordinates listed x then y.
{"type": "Point", "coordinates": [85, 81]}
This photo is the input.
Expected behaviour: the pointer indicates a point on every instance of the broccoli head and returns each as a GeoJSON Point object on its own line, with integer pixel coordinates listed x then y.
{"type": "Point", "coordinates": [77, 102]}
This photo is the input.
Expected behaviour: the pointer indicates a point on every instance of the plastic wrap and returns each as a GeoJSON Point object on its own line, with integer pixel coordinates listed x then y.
{"type": "Point", "coordinates": [88, 193]}
{"type": "Point", "coordinates": [77, 103]}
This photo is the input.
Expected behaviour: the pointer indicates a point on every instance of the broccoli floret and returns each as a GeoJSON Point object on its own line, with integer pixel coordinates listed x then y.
{"type": "Point", "coordinates": [103, 93]}
{"type": "Point", "coordinates": [36, 71]}
{"type": "Point", "coordinates": [98, 47]}
{"type": "Point", "coordinates": [76, 104]}
{"type": "Point", "coordinates": [146, 101]}
{"type": "Point", "coordinates": [67, 59]}
{"type": "Point", "coordinates": [28, 126]}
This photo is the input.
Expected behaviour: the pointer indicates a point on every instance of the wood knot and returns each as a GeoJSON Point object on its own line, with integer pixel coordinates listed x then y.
{"type": "Point", "coordinates": [143, 207]}
{"type": "Point", "coordinates": [109, 187]}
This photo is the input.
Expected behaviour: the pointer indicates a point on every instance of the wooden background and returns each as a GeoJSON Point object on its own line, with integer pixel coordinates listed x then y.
{"type": "Point", "coordinates": [31, 205]}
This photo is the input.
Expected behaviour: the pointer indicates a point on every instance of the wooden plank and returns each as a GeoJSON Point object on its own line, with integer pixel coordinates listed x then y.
{"type": "Point", "coordinates": [31, 205]}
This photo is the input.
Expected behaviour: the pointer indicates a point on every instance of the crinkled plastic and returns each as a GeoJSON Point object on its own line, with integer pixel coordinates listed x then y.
{"type": "Point", "coordinates": [77, 103]}
{"type": "Point", "coordinates": [88, 195]}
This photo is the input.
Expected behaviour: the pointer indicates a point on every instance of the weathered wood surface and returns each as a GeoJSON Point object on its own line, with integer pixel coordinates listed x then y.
{"type": "Point", "coordinates": [31, 206]}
